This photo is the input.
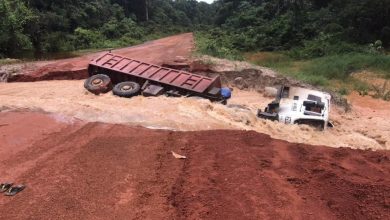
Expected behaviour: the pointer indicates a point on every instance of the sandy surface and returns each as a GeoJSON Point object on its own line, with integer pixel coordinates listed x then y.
{"type": "Point", "coordinates": [361, 128]}
{"type": "Point", "coordinates": [78, 170]}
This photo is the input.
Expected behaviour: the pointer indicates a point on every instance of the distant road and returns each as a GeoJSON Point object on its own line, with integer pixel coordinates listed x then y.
{"type": "Point", "coordinates": [160, 51]}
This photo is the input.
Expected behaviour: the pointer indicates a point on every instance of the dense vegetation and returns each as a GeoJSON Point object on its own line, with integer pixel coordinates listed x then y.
{"type": "Point", "coordinates": [311, 28]}
{"type": "Point", "coordinates": [318, 41]}
{"type": "Point", "coordinates": [63, 25]}
{"type": "Point", "coordinates": [332, 38]}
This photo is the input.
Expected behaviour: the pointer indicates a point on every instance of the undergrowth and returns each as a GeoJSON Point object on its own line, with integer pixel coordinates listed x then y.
{"type": "Point", "coordinates": [216, 45]}
{"type": "Point", "coordinates": [333, 71]}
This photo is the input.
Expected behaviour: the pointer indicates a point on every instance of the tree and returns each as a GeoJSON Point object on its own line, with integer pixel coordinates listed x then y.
{"type": "Point", "coordinates": [16, 18]}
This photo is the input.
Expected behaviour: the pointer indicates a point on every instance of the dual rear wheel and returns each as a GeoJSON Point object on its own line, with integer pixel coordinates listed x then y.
{"type": "Point", "coordinates": [98, 84]}
{"type": "Point", "coordinates": [126, 89]}
{"type": "Point", "coordinates": [101, 83]}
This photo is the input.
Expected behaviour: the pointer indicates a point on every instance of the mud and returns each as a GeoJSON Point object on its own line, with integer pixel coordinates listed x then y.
{"type": "Point", "coordinates": [252, 76]}
{"type": "Point", "coordinates": [78, 170]}
{"type": "Point", "coordinates": [361, 128]}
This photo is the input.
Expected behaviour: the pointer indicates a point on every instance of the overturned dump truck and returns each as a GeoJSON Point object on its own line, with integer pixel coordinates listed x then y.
{"type": "Point", "coordinates": [294, 105]}
{"type": "Point", "coordinates": [129, 77]}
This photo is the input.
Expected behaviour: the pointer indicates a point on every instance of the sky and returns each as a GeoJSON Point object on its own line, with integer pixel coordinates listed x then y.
{"type": "Point", "coordinates": [208, 1]}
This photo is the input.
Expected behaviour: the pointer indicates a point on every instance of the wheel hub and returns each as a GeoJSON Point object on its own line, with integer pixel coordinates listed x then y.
{"type": "Point", "coordinates": [97, 82]}
{"type": "Point", "coordinates": [126, 88]}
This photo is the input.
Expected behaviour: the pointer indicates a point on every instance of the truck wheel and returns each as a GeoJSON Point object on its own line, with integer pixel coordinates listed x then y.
{"type": "Point", "coordinates": [97, 84]}
{"type": "Point", "coordinates": [126, 89]}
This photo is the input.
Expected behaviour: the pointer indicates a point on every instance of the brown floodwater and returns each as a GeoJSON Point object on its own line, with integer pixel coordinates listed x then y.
{"type": "Point", "coordinates": [357, 129]}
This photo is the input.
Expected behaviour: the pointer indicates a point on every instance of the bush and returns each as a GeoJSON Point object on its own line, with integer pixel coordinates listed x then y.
{"type": "Point", "coordinates": [324, 45]}
{"type": "Point", "coordinates": [341, 66]}
{"type": "Point", "coordinates": [320, 71]}
{"type": "Point", "coordinates": [58, 41]}
{"type": "Point", "coordinates": [115, 29]}
{"type": "Point", "coordinates": [15, 17]}
{"type": "Point", "coordinates": [216, 46]}
{"type": "Point", "coordinates": [88, 39]}
{"type": "Point", "coordinates": [129, 40]}
{"type": "Point", "coordinates": [343, 91]}
{"type": "Point", "coordinates": [313, 79]}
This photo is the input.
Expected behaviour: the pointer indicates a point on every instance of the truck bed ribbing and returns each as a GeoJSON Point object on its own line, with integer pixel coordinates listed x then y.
{"type": "Point", "coordinates": [181, 79]}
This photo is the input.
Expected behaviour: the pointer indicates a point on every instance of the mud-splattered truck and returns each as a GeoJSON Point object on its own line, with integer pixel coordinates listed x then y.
{"type": "Point", "coordinates": [128, 77]}
{"type": "Point", "coordinates": [295, 105]}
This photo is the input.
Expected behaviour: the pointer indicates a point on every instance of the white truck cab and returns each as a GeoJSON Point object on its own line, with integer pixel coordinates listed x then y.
{"type": "Point", "coordinates": [295, 105]}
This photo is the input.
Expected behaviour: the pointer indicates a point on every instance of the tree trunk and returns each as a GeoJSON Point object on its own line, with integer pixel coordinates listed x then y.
{"type": "Point", "coordinates": [146, 11]}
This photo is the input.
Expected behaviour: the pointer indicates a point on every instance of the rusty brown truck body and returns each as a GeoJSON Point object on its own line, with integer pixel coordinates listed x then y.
{"type": "Point", "coordinates": [148, 79]}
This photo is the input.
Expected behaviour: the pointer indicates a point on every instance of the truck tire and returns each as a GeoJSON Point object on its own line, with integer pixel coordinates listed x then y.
{"type": "Point", "coordinates": [126, 89]}
{"type": "Point", "coordinates": [97, 84]}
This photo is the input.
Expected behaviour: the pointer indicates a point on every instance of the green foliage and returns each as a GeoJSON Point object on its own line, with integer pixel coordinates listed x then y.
{"type": "Point", "coordinates": [129, 39]}
{"type": "Point", "coordinates": [309, 28]}
{"type": "Point", "coordinates": [216, 44]}
{"type": "Point", "coordinates": [313, 79]}
{"type": "Point", "coordinates": [324, 45]}
{"type": "Point", "coordinates": [313, 28]}
{"type": "Point", "coordinates": [341, 66]}
{"type": "Point", "coordinates": [51, 26]}
{"type": "Point", "coordinates": [15, 19]}
{"type": "Point", "coordinates": [343, 91]}
{"type": "Point", "coordinates": [320, 71]}
{"type": "Point", "coordinates": [58, 41]}
{"type": "Point", "coordinates": [324, 40]}
{"type": "Point", "coordinates": [115, 29]}
{"type": "Point", "coordinates": [87, 38]}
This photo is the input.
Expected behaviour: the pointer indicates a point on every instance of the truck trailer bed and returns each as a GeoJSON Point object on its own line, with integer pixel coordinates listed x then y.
{"type": "Point", "coordinates": [154, 73]}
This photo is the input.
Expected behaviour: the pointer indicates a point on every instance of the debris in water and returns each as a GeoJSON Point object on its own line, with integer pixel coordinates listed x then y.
{"type": "Point", "coordinates": [178, 156]}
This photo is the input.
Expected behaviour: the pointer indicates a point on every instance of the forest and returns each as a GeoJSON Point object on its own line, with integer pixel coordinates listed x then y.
{"type": "Point", "coordinates": [65, 25]}
{"type": "Point", "coordinates": [305, 28]}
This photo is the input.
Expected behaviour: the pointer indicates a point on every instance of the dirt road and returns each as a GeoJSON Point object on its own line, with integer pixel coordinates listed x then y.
{"type": "Point", "coordinates": [161, 51]}
{"type": "Point", "coordinates": [78, 170]}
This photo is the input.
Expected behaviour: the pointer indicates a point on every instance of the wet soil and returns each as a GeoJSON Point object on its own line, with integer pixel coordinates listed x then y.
{"type": "Point", "coordinates": [78, 170]}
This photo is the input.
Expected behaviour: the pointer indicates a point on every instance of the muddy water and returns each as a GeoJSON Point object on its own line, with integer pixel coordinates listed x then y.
{"type": "Point", "coordinates": [33, 56]}
{"type": "Point", "coordinates": [68, 98]}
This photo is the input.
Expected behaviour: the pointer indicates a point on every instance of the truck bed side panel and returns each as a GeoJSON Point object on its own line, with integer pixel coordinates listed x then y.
{"type": "Point", "coordinates": [175, 78]}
